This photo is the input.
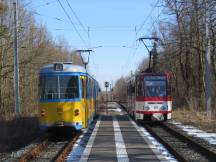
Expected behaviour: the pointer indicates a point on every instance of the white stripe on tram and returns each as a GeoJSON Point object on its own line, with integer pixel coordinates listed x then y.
{"type": "Point", "coordinates": [121, 152]}
{"type": "Point", "coordinates": [90, 143]}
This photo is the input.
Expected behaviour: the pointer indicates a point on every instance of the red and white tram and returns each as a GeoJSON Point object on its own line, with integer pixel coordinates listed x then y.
{"type": "Point", "coordinates": [149, 96]}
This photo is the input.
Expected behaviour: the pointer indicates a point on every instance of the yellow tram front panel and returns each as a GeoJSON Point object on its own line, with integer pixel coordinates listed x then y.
{"type": "Point", "coordinates": [61, 114]}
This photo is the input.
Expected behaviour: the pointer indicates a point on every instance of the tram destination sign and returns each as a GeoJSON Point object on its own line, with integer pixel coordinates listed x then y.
{"type": "Point", "coordinates": [146, 78]}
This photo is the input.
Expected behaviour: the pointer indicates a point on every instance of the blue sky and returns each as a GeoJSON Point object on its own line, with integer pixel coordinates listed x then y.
{"type": "Point", "coordinates": [111, 25]}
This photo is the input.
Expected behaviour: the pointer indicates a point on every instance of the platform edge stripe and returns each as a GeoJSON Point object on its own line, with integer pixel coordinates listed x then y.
{"type": "Point", "coordinates": [121, 152]}
{"type": "Point", "coordinates": [90, 143]}
{"type": "Point", "coordinates": [68, 159]}
{"type": "Point", "coordinates": [153, 148]}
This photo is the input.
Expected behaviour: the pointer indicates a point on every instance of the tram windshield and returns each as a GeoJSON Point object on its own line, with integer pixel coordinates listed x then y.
{"type": "Point", "coordinates": [155, 86]}
{"type": "Point", "coordinates": [59, 87]}
{"type": "Point", "coordinates": [69, 87]}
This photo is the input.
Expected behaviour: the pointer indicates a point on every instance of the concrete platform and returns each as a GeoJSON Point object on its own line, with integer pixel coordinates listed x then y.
{"type": "Point", "coordinates": [118, 138]}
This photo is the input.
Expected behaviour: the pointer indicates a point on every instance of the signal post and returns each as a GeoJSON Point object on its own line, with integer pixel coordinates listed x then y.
{"type": "Point", "coordinates": [106, 86]}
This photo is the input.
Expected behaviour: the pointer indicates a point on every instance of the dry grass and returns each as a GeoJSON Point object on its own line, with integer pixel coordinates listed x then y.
{"type": "Point", "coordinates": [195, 118]}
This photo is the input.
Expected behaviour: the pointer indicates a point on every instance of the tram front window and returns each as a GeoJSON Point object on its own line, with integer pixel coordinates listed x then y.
{"type": "Point", "coordinates": [69, 87]}
{"type": "Point", "coordinates": [58, 87]}
{"type": "Point", "coordinates": [48, 87]}
{"type": "Point", "coordinates": [155, 88]}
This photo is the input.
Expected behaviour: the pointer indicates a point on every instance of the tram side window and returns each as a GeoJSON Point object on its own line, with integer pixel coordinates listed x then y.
{"type": "Point", "coordinates": [48, 87]}
{"type": "Point", "coordinates": [69, 87]}
{"type": "Point", "coordinates": [169, 89]}
{"type": "Point", "coordinates": [90, 88]}
{"type": "Point", "coordinates": [131, 90]}
{"type": "Point", "coordinates": [139, 88]}
{"type": "Point", "coordinates": [87, 85]}
{"type": "Point", "coordinates": [93, 89]}
{"type": "Point", "coordinates": [83, 87]}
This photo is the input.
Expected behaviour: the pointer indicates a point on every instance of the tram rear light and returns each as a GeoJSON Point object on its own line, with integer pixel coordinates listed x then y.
{"type": "Point", "coordinates": [76, 112]}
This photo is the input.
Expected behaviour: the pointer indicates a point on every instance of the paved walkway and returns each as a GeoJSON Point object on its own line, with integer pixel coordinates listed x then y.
{"type": "Point", "coordinates": [117, 138]}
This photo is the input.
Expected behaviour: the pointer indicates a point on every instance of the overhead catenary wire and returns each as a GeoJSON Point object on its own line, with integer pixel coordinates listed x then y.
{"type": "Point", "coordinates": [74, 26]}
{"type": "Point", "coordinates": [137, 31]}
{"type": "Point", "coordinates": [147, 17]}
{"type": "Point", "coordinates": [41, 5]}
{"type": "Point", "coordinates": [75, 15]}
{"type": "Point", "coordinates": [46, 4]}
{"type": "Point", "coordinates": [100, 30]}
{"type": "Point", "coordinates": [54, 18]}
{"type": "Point", "coordinates": [156, 20]}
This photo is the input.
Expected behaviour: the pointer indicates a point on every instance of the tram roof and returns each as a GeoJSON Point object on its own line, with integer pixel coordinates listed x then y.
{"type": "Point", "coordinates": [153, 74]}
{"type": "Point", "coordinates": [67, 67]}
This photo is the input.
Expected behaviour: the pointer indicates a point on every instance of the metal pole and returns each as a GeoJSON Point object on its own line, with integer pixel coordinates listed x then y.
{"type": "Point", "coordinates": [110, 94]}
{"type": "Point", "coordinates": [150, 52]}
{"type": "Point", "coordinates": [208, 66]}
{"type": "Point", "coordinates": [111, 90]}
{"type": "Point", "coordinates": [16, 65]}
{"type": "Point", "coordinates": [150, 57]}
{"type": "Point", "coordinates": [106, 102]}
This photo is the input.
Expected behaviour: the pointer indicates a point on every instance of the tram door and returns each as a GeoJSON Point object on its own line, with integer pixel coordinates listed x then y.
{"type": "Point", "coordinates": [84, 102]}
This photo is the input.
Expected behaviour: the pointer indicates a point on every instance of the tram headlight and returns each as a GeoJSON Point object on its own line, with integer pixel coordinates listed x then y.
{"type": "Point", "coordinates": [146, 107]}
{"type": "Point", "coordinates": [164, 107]}
{"type": "Point", "coordinates": [42, 112]}
{"type": "Point", "coordinates": [76, 112]}
{"type": "Point", "coordinates": [60, 111]}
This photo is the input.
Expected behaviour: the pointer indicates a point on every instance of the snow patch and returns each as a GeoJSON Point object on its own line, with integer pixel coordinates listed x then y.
{"type": "Point", "coordinates": [195, 132]}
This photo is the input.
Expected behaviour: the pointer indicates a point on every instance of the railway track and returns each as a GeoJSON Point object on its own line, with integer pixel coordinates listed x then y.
{"type": "Point", "coordinates": [182, 147]}
{"type": "Point", "coordinates": [52, 148]}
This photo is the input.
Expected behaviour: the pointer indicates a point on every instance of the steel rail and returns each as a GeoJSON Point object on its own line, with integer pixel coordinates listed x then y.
{"type": "Point", "coordinates": [170, 148]}
{"type": "Point", "coordinates": [66, 150]}
{"type": "Point", "coordinates": [202, 150]}
{"type": "Point", "coordinates": [36, 150]}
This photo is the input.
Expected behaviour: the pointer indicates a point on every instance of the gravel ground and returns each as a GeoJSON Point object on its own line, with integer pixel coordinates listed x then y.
{"type": "Point", "coordinates": [50, 152]}
{"type": "Point", "coordinates": [60, 138]}
{"type": "Point", "coordinates": [14, 156]}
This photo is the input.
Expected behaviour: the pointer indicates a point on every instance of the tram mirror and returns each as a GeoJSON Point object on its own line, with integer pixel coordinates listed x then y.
{"type": "Point", "coordinates": [171, 89]}
{"type": "Point", "coordinates": [99, 90]}
{"type": "Point", "coordinates": [133, 89]}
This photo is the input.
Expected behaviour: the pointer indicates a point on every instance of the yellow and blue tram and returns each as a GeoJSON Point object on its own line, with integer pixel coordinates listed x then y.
{"type": "Point", "coordinates": [67, 96]}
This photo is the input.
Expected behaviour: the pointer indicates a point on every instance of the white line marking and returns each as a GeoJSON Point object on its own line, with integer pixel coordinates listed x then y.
{"type": "Point", "coordinates": [90, 143]}
{"type": "Point", "coordinates": [78, 147]}
{"type": "Point", "coordinates": [121, 152]}
{"type": "Point", "coordinates": [149, 143]}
